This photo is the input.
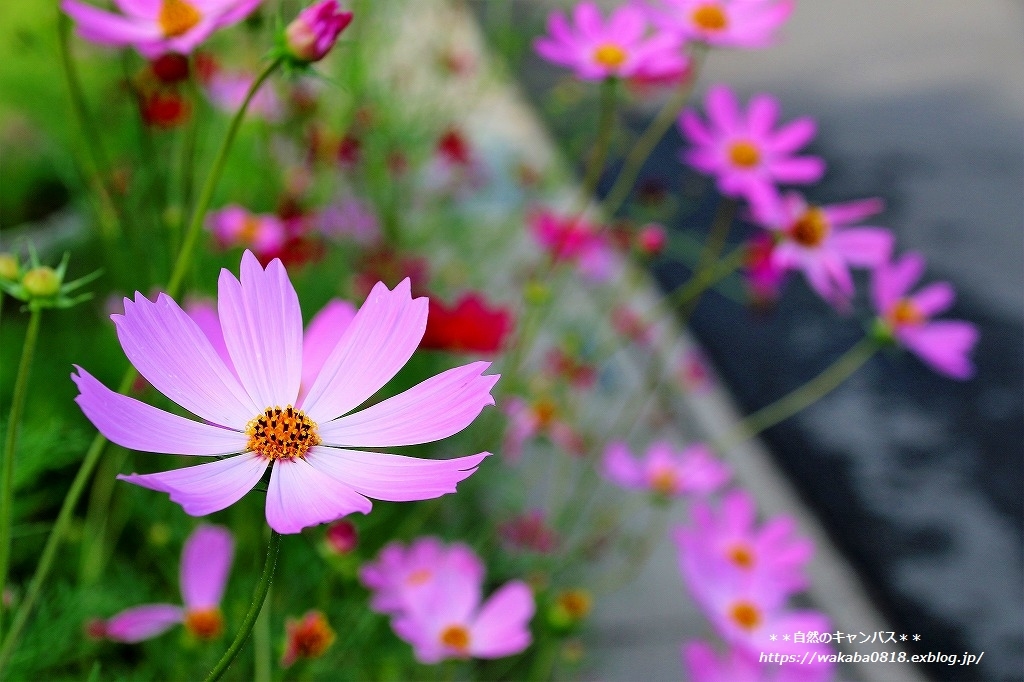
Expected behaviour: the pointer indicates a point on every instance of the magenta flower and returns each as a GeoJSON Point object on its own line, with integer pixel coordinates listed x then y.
{"type": "Point", "coordinates": [618, 48]}
{"type": "Point", "coordinates": [446, 619]}
{"type": "Point", "coordinates": [664, 470]}
{"type": "Point", "coordinates": [226, 90]}
{"type": "Point", "coordinates": [730, 542]}
{"type": "Point", "coordinates": [576, 241]}
{"type": "Point", "coordinates": [155, 27]}
{"type": "Point", "coordinates": [254, 411]}
{"type": "Point", "coordinates": [747, 24]}
{"type": "Point", "coordinates": [763, 275]}
{"type": "Point", "coordinates": [702, 664]}
{"type": "Point", "coordinates": [820, 241]}
{"type": "Point", "coordinates": [944, 345]}
{"type": "Point", "coordinates": [746, 156]}
{"type": "Point", "coordinates": [312, 34]}
{"type": "Point", "coordinates": [205, 564]}
{"type": "Point", "coordinates": [400, 573]}
{"type": "Point", "coordinates": [233, 226]}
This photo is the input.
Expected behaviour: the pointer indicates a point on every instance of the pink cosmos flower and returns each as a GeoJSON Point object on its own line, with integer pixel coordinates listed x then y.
{"type": "Point", "coordinates": [401, 573]}
{"type": "Point", "coordinates": [227, 90]}
{"type": "Point", "coordinates": [254, 412]}
{"type": "Point", "coordinates": [747, 24]}
{"type": "Point", "coordinates": [820, 241]}
{"type": "Point", "coordinates": [233, 226]}
{"type": "Point", "coordinates": [944, 345]}
{"type": "Point", "coordinates": [763, 275]}
{"type": "Point", "coordinates": [308, 637]}
{"type": "Point", "coordinates": [154, 27]}
{"type": "Point", "coordinates": [312, 34]}
{"type": "Point", "coordinates": [446, 619]}
{"type": "Point", "coordinates": [526, 421]}
{"type": "Point", "coordinates": [702, 664]}
{"type": "Point", "coordinates": [731, 542]}
{"type": "Point", "coordinates": [664, 470]}
{"type": "Point", "coordinates": [576, 241]}
{"type": "Point", "coordinates": [349, 217]}
{"type": "Point", "coordinates": [205, 564]}
{"type": "Point", "coordinates": [618, 48]}
{"type": "Point", "coordinates": [743, 152]}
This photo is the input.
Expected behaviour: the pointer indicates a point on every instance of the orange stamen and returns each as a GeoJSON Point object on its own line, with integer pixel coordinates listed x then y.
{"type": "Point", "coordinates": [610, 56]}
{"type": "Point", "coordinates": [710, 18]}
{"type": "Point", "coordinates": [744, 154]}
{"type": "Point", "coordinates": [456, 637]}
{"type": "Point", "coordinates": [177, 17]}
{"type": "Point", "coordinates": [282, 434]}
{"type": "Point", "coordinates": [811, 228]}
{"type": "Point", "coordinates": [746, 615]}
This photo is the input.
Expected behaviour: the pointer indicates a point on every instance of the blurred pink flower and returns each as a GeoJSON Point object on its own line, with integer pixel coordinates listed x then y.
{"type": "Point", "coordinates": [702, 664]}
{"type": "Point", "coordinates": [234, 226]}
{"type": "Point", "coordinates": [763, 275]}
{"type": "Point", "coordinates": [944, 345]}
{"type": "Point", "coordinates": [312, 34]}
{"type": "Point", "coordinates": [252, 406]}
{"type": "Point", "coordinates": [342, 537]}
{"type": "Point", "coordinates": [576, 241]}
{"type": "Point", "coordinates": [730, 542]}
{"type": "Point", "coordinates": [743, 152]}
{"type": "Point", "coordinates": [400, 573]}
{"type": "Point", "coordinates": [825, 241]}
{"type": "Point", "coordinates": [529, 531]}
{"type": "Point", "coordinates": [227, 90]}
{"type": "Point", "coordinates": [619, 47]}
{"type": "Point", "coordinates": [446, 619]}
{"type": "Point", "coordinates": [157, 26]}
{"type": "Point", "coordinates": [205, 564]}
{"type": "Point", "coordinates": [664, 470]}
{"type": "Point", "coordinates": [694, 371]}
{"type": "Point", "coordinates": [529, 420]}
{"type": "Point", "coordinates": [349, 217]}
{"type": "Point", "coordinates": [651, 239]}
{"type": "Point", "coordinates": [747, 24]}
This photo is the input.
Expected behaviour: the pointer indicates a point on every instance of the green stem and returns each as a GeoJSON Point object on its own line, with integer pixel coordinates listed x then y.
{"type": "Point", "coordinates": [689, 290]}
{"type": "Point", "coordinates": [650, 138]}
{"type": "Point", "coordinates": [603, 142]}
{"type": "Point", "coordinates": [802, 397]}
{"type": "Point", "coordinates": [11, 441]}
{"type": "Point", "coordinates": [702, 275]}
{"type": "Point", "coordinates": [107, 210]}
{"type": "Point", "coordinates": [206, 194]}
{"type": "Point", "coordinates": [260, 594]}
{"type": "Point", "coordinates": [99, 443]}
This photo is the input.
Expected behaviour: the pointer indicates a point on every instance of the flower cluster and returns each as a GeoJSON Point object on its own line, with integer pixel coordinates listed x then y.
{"type": "Point", "coordinates": [434, 595]}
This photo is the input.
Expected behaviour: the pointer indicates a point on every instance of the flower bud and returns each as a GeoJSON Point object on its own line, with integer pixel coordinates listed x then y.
{"type": "Point", "coordinates": [341, 537]}
{"type": "Point", "coordinates": [569, 609]}
{"type": "Point", "coordinates": [9, 268]}
{"type": "Point", "coordinates": [651, 239]}
{"type": "Point", "coordinates": [312, 34]}
{"type": "Point", "coordinates": [41, 282]}
{"type": "Point", "coordinates": [170, 68]}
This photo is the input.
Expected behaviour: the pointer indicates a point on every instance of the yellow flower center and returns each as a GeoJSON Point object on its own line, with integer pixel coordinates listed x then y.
{"type": "Point", "coordinates": [205, 623]}
{"type": "Point", "coordinates": [575, 603]}
{"type": "Point", "coordinates": [744, 154]}
{"type": "Point", "coordinates": [177, 17]}
{"type": "Point", "coordinates": [250, 228]}
{"type": "Point", "coordinates": [545, 411]}
{"type": "Point", "coordinates": [418, 577]}
{"type": "Point", "coordinates": [811, 228]}
{"type": "Point", "coordinates": [742, 556]}
{"type": "Point", "coordinates": [282, 434]}
{"type": "Point", "coordinates": [710, 17]}
{"type": "Point", "coordinates": [456, 637]}
{"type": "Point", "coordinates": [905, 312]}
{"type": "Point", "coordinates": [664, 481]}
{"type": "Point", "coordinates": [745, 614]}
{"type": "Point", "coordinates": [610, 56]}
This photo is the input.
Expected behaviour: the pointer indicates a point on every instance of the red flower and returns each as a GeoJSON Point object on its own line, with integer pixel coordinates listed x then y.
{"type": "Point", "coordinates": [164, 109]}
{"type": "Point", "coordinates": [468, 326]}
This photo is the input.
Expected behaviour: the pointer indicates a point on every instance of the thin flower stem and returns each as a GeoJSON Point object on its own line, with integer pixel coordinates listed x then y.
{"type": "Point", "coordinates": [11, 441]}
{"type": "Point", "coordinates": [602, 144]}
{"type": "Point", "coordinates": [258, 596]}
{"type": "Point", "coordinates": [99, 443]}
{"type": "Point", "coordinates": [802, 397]}
{"type": "Point", "coordinates": [181, 266]}
{"type": "Point", "coordinates": [688, 291]}
{"type": "Point", "coordinates": [703, 273]}
{"type": "Point", "coordinates": [651, 136]}
{"type": "Point", "coordinates": [110, 219]}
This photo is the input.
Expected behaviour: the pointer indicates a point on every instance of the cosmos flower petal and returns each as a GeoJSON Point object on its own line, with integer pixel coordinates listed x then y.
{"type": "Point", "coordinates": [143, 9]}
{"type": "Point", "coordinates": [502, 626]}
{"type": "Point", "coordinates": [792, 136]}
{"type": "Point", "coordinates": [106, 28]}
{"type": "Point", "coordinates": [204, 314]}
{"type": "Point", "coordinates": [892, 280]}
{"type": "Point", "coordinates": [262, 325]}
{"type": "Point", "coordinates": [206, 488]}
{"type": "Point", "coordinates": [302, 495]}
{"type": "Point", "coordinates": [172, 353]}
{"type": "Point", "coordinates": [723, 109]}
{"type": "Point", "coordinates": [394, 478]}
{"type": "Point", "coordinates": [850, 212]}
{"type": "Point", "coordinates": [865, 247]}
{"type": "Point", "coordinates": [934, 298]}
{"type": "Point", "coordinates": [434, 409]}
{"type": "Point", "coordinates": [944, 345]}
{"type": "Point", "coordinates": [322, 335]}
{"type": "Point", "coordinates": [143, 622]}
{"type": "Point", "coordinates": [762, 114]}
{"type": "Point", "coordinates": [205, 564]}
{"type": "Point", "coordinates": [380, 340]}
{"type": "Point", "coordinates": [798, 169]}
{"type": "Point", "coordinates": [135, 425]}
{"type": "Point", "coordinates": [620, 467]}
